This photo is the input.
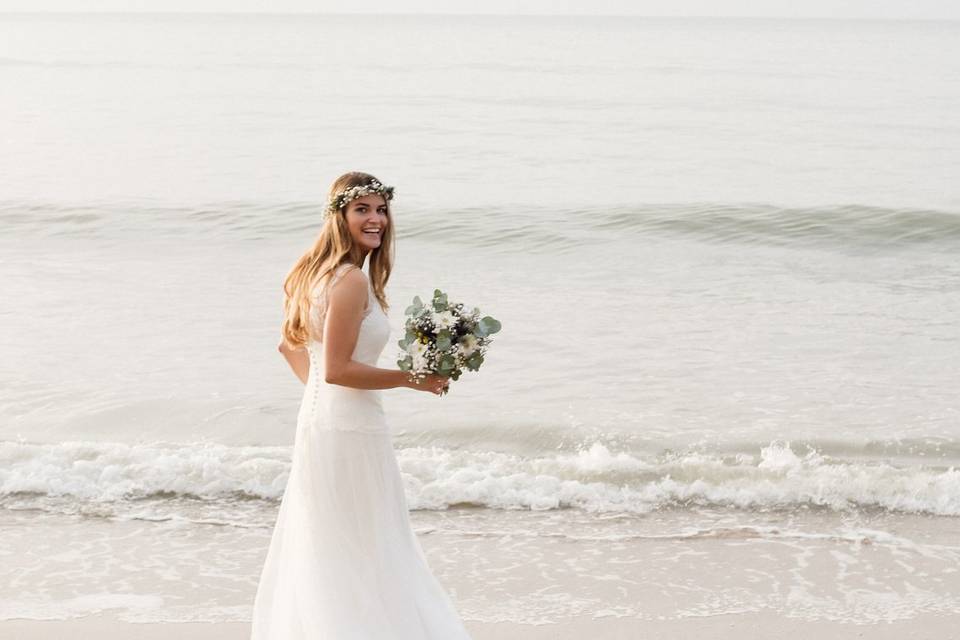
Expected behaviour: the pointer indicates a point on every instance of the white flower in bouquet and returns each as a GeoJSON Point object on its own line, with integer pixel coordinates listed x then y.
{"type": "Point", "coordinates": [444, 338]}
{"type": "Point", "coordinates": [468, 344]}
{"type": "Point", "coordinates": [417, 348]}
{"type": "Point", "coordinates": [444, 320]}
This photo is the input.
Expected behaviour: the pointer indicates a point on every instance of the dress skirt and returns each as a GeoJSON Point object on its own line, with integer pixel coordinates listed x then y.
{"type": "Point", "coordinates": [344, 562]}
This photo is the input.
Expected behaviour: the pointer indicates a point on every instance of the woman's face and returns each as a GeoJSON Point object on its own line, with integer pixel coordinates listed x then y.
{"type": "Point", "coordinates": [367, 220]}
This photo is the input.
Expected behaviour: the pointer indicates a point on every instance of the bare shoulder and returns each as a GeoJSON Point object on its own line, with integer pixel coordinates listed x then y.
{"type": "Point", "coordinates": [353, 276]}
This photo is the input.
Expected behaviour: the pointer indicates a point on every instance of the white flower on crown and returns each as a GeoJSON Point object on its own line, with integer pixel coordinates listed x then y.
{"type": "Point", "coordinates": [346, 196]}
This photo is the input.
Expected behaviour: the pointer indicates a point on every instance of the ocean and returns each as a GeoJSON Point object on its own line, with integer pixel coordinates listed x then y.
{"type": "Point", "coordinates": [725, 254]}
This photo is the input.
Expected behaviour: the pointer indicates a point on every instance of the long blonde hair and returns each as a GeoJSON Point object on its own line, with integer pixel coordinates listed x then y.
{"type": "Point", "coordinates": [333, 247]}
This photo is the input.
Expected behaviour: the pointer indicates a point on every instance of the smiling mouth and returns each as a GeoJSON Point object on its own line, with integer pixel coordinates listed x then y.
{"type": "Point", "coordinates": [372, 233]}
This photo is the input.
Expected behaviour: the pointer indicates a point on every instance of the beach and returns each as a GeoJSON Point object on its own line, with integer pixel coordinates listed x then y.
{"type": "Point", "coordinates": [548, 575]}
{"type": "Point", "coordinates": [723, 253]}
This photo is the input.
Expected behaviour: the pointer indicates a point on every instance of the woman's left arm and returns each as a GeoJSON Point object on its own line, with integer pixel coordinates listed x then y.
{"type": "Point", "coordinates": [298, 359]}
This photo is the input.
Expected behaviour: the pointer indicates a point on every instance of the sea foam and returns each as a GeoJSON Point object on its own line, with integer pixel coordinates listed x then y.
{"type": "Point", "coordinates": [595, 478]}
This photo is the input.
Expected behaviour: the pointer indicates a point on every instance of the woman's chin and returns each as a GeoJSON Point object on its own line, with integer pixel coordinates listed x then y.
{"type": "Point", "coordinates": [371, 243]}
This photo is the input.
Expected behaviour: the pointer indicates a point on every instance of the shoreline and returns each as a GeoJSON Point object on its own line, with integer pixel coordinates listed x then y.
{"type": "Point", "coordinates": [568, 573]}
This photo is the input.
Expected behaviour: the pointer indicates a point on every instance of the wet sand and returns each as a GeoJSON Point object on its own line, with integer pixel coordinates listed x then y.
{"type": "Point", "coordinates": [744, 626]}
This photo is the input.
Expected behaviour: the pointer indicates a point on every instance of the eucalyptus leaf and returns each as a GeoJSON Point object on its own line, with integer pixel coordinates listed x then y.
{"type": "Point", "coordinates": [490, 325]}
{"type": "Point", "coordinates": [414, 308]}
{"type": "Point", "coordinates": [447, 364]}
{"type": "Point", "coordinates": [443, 340]}
{"type": "Point", "coordinates": [439, 300]}
{"type": "Point", "coordinates": [474, 361]}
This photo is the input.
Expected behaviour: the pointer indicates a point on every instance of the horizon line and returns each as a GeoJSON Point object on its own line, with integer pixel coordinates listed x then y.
{"type": "Point", "coordinates": [470, 15]}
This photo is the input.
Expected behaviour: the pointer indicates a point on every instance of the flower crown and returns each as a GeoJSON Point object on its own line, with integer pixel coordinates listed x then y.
{"type": "Point", "coordinates": [338, 200]}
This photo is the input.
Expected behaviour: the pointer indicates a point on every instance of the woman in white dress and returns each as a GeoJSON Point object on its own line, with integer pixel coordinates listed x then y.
{"type": "Point", "coordinates": [344, 562]}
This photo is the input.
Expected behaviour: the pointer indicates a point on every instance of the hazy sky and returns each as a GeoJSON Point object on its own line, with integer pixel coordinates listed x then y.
{"type": "Point", "coordinates": [886, 9]}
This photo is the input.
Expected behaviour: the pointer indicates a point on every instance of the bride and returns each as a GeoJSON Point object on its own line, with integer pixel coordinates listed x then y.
{"type": "Point", "coordinates": [344, 562]}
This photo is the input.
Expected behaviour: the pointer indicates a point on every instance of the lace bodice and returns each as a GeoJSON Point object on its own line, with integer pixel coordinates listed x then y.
{"type": "Point", "coordinates": [319, 299]}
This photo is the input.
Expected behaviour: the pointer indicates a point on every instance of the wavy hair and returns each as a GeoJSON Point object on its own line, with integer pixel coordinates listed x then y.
{"type": "Point", "coordinates": [333, 247]}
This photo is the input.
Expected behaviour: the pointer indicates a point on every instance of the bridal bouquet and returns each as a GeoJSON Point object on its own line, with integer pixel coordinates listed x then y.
{"type": "Point", "coordinates": [444, 338]}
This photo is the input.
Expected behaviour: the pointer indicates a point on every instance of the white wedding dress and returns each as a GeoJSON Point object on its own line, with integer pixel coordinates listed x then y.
{"type": "Point", "coordinates": [344, 562]}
